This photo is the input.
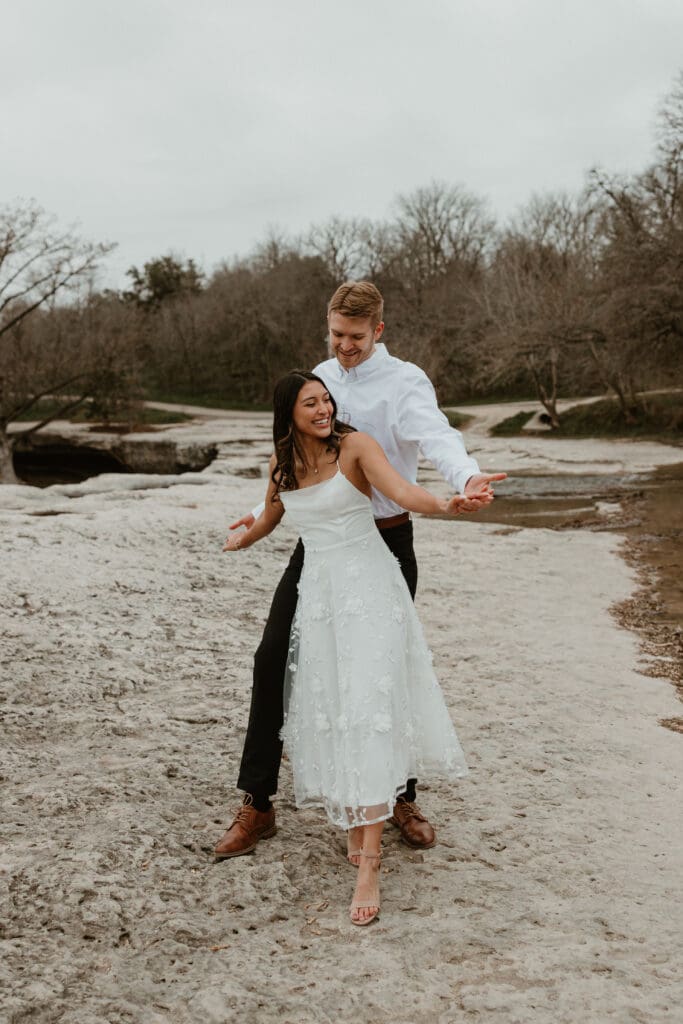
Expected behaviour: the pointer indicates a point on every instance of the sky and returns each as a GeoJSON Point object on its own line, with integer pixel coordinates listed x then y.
{"type": "Point", "coordinates": [195, 128]}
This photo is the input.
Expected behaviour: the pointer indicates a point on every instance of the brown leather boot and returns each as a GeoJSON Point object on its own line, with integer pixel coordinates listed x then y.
{"type": "Point", "coordinates": [415, 829]}
{"type": "Point", "coordinates": [247, 828]}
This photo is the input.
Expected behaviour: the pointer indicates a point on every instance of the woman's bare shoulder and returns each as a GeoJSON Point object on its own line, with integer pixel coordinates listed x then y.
{"type": "Point", "coordinates": [359, 445]}
{"type": "Point", "coordinates": [356, 441]}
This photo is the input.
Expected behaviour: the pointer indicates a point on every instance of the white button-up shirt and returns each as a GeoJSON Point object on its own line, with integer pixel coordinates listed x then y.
{"type": "Point", "coordinates": [394, 402]}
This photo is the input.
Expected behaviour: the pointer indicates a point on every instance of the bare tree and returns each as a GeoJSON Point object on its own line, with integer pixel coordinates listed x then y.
{"type": "Point", "coordinates": [379, 246]}
{"type": "Point", "coordinates": [438, 227]}
{"type": "Point", "coordinates": [342, 245]}
{"type": "Point", "coordinates": [38, 263]}
{"type": "Point", "coordinates": [635, 331]}
{"type": "Point", "coordinates": [538, 288]}
{"type": "Point", "coordinates": [111, 335]}
{"type": "Point", "coordinates": [276, 247]}
{"type": "Point", "coordinates": [670, 126]}
{"type": "Point", "coordinates": [638, 329]}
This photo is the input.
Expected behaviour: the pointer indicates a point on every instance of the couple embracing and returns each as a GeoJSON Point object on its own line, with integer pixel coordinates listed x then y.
{"type": "Point", "coordinates": [343, 675]}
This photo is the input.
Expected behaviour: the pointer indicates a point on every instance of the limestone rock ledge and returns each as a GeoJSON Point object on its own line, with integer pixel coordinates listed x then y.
{"type": "Point", "coordinates": [149, 452]}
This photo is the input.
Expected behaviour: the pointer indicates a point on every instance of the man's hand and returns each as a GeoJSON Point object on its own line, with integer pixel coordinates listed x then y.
{"type": "Point", "coordinates": [479, 492]}
{"type": "Point", "coordinates": [247, 521]}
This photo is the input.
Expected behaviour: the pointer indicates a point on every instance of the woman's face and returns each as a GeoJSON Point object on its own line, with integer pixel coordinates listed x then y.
{"type": "Point", "coordinates": [312, 413]}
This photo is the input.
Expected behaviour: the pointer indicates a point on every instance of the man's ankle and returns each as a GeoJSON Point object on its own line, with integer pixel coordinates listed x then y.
{"type": "Point", "coordinates": [258, 802]}
{"type": "Point", "coordinates": [407, 798]}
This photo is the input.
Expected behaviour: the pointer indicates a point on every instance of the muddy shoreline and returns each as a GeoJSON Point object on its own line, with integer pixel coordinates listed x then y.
{"type": "Point", "coordinates": [655, 610]}
{"type": "Point", "coordinates": [646, 511]}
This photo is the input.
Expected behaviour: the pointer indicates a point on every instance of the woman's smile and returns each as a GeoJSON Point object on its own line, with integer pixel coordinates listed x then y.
{"type": "Point", "coordinates": [312, 412]}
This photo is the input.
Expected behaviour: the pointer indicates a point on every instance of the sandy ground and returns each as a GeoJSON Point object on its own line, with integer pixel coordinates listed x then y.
{"type": "Point", "coordinates": [126, 641]}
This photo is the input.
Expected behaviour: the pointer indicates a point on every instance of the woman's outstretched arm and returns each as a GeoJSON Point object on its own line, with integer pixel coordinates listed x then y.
{"type": "Point", "coordinates": [381, 474]}
{"type": "Point", "coordinates": [266, 522]}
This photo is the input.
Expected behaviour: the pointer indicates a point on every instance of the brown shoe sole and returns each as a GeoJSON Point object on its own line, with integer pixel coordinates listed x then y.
{"type": "Point", "coordinates": [413, 846]}
{"type": "Point", "coordinates": [247, 849]}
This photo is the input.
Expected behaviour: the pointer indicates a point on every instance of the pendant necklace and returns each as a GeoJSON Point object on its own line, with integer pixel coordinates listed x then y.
{"type": "Point", "coordinates": [315, 469]}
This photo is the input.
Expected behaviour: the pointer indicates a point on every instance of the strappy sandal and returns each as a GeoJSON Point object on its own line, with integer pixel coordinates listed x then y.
{"type": "Point", "coordinates": [374, 902]}
{"type": "Point", "coordinates": [353, 853]}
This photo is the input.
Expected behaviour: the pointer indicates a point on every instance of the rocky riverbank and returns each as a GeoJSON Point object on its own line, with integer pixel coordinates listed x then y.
{"type": "Point", "coordinates": [126, 649]}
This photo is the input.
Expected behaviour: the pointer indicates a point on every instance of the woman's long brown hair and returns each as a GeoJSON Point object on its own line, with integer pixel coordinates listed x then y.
{"type": "Point", "coordinates": [286, 443]}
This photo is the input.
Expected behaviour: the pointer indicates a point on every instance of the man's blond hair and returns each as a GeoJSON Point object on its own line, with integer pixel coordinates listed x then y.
{"type": "Point", "coordinates": [358, 299]}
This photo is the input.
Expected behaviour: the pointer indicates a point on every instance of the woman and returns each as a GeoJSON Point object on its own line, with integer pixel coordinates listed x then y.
{"type": "Point", "coordinates": [363, 708]}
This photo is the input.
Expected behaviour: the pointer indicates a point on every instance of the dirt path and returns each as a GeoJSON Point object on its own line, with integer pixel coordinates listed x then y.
{"type": "Point", "coordinates": [201, 411]}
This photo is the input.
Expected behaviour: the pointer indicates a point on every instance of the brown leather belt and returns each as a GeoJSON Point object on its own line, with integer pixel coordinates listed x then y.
{"type": "Point", "coordinates": [386, 524]}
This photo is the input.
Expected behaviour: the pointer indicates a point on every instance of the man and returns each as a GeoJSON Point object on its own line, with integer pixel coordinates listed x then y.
{"type": "Point", "coordinates": [395, 403]}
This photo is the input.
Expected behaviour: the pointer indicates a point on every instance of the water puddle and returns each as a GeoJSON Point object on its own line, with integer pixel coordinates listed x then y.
{"type": "Point", "coordinates": [558, 501]}
{"type": "Point", "coordinates": [646, 508]}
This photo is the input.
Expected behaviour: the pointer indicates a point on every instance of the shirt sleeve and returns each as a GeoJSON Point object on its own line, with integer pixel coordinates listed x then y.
{"type": "Point", "coordinates": [421, 421]}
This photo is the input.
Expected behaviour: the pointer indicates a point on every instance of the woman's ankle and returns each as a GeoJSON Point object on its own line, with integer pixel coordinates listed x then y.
{"type": "Point", "coordinates": [372, 860]}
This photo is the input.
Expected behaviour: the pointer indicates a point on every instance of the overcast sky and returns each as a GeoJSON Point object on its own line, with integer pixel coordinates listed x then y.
{"type": "Point", "coordinates": [165, 125]}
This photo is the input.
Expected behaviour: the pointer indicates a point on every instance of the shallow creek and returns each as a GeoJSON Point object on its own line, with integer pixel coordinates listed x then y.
{"type": "Point", "coordinates": [648, 508]}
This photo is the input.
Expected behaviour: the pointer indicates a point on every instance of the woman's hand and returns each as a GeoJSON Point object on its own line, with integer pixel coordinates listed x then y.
{"type": "Point", "coordinates": [457, 504]}
{"type": "Point", "coordinates": [247, 521]}
{"type": "Point", "coordinates": [234, 541]}
{"type": "Point", "coordinates": [478, 493]}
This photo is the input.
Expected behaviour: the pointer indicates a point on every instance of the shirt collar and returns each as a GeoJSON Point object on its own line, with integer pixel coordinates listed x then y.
{"type": "Point", "coordinates": [368, 366]}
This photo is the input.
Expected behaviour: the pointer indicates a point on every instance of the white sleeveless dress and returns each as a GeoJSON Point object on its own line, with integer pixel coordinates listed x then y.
{"type": "Point", "coordinates": [363, 709]}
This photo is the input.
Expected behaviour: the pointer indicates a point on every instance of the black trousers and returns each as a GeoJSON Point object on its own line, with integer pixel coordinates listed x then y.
{"type": "Point", "coordinates": [262, 746]}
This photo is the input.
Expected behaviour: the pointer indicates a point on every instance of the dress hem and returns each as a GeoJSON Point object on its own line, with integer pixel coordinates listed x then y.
{"type": "Point", "coordinates": [319, 803]}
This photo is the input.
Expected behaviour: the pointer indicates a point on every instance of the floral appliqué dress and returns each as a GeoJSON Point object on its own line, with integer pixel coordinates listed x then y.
{"type": "Point", "coordinates": [363, 709]}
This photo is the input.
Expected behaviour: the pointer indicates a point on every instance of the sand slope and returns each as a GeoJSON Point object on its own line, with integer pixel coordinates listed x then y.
{"type": "Point", "coordinates": [127, 637]}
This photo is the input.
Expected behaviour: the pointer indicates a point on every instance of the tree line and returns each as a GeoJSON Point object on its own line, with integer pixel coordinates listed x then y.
{"type": "Point", "coordinates": [576, 294]}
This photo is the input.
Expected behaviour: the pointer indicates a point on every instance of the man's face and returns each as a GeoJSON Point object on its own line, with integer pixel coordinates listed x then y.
{"type": "Point", "coordinates": [352, 338]}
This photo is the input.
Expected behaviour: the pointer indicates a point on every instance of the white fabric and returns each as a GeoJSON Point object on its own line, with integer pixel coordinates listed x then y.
{"type": "Point", "coordinates": [363, 709]}
{"type": "Point", "coordinates": [394, 402]}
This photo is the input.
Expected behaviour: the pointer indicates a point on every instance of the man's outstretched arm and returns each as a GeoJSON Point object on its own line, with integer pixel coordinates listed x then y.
{"type": "Point", "coordinates": [421, 421]}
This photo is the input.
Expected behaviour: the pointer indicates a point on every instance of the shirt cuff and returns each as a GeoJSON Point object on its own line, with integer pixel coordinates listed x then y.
{"type": "Point", "coordinates": [464, 475]}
